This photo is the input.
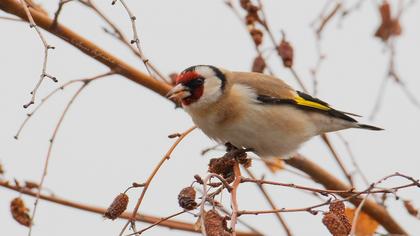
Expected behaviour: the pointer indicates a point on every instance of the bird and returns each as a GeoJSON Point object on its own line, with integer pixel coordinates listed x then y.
{"type": "Point", "coordinates": [255, 111]}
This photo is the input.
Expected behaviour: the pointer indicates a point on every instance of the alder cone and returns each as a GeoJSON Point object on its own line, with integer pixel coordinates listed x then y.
{"type": "Point", "coordinates": [336, 221]}
{"type": "Point", "coordinates": [186, 198]}
{"type": "Point", "coordinates": [258, 65]}
{"type": "Point", "coordinates": [215, 225]}
{"type": "Point", "coordinates": [338, 225]}
{"type": "Point", "coordinates": [117, 207]}
{"type": "Point", "coordinates": [20, 212]}
{"type": "Point", "coordinates": [285, 50]}
{"type": "Point", "coordinates": [257, 36]}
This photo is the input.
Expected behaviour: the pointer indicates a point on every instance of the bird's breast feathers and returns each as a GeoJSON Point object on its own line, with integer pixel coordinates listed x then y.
{"type": "Point", "coordinates": [243, 121]}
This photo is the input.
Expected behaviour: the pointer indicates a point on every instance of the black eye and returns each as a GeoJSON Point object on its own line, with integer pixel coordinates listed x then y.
{"type": "Point", "coordinates": [195, 83]}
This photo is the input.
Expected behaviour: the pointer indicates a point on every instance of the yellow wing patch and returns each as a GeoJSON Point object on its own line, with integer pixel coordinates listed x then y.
{"type": "Point", "coordinates": [303, 102]}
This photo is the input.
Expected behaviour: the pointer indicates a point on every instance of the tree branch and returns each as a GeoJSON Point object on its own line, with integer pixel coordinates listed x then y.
{"type": "Point", "coordinates": [377, 212]}
{"type": "Point", "coordinates": [87, 47]}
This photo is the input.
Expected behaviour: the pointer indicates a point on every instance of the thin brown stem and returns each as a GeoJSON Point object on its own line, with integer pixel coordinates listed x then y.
{"type": "Point", "coordinates": [55, 132]}
{"type": "Point", "coordinates": [234, 197]}
{"type": "Point", "coordinates": [357, 214]}
{"type": "Point", "coordinates": [152, 175]}
{"type": "Point", "coordinates": [47, 47]}
{"type": "Point", "coordinates": [271, 203]}
{"type": "Point", "coordinates": [337, 159]}
{"type": "Point", "coordinates": [307, 209]}
{"type": "Point", "coordinates": [52, 93]}
{"type": "Point", "coordinates": [136, 40]}
{"type": "Point", "coordinates": [327, 18]}
{"type": "Point", "coordinates": [58, 11]}
{"type": "Point", "coordinates": [157, 223]}
{"type": "Point", "coordinates": [329, 181]}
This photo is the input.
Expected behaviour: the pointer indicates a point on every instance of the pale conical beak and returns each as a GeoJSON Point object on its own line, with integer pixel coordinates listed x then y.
{"type": "Point", "coordinates": [178, 92]}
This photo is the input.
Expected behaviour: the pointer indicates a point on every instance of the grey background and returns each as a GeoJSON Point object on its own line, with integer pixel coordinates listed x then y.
{"type": "Point", "coordinates": [116, 131]}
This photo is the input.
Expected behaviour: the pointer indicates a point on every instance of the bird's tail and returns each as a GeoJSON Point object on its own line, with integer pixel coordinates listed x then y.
{"type": "Point", "coordinates": [369, 127]}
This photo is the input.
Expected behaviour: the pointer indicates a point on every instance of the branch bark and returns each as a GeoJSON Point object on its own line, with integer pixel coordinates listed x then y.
{"type": "Point", "coordinates": [86, 46]}
{"type": "Point", "coordinates": [172, 224]}
{"type": "Point", "coordinates": [329, 181]}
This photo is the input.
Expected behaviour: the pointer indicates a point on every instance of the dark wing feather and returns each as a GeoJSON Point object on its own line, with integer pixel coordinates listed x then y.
{"type": "Point", "coordinates": [323, 107]}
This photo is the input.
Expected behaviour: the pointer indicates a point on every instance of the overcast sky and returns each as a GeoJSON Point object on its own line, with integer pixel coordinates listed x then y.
{"type": "Point", "coordinates": [116, 131]}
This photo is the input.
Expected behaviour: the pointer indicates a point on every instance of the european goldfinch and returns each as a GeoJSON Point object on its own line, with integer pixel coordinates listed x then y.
{"type": "Point", "coordinates": [257, 111]}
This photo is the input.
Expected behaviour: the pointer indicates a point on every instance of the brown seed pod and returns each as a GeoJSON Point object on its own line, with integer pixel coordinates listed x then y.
{"type": "Point", "coordinates": [214, 224]}
{"type": "Point", "coordinates": [285, 51]}
{"type": "Point", "coordinates": [186, 198]}
{"type": "Point", "coordinates": [19, 212]}
{"type": "Point", "coordinates": [258, 65]}
{"type": "Point", "coordinates": [389, 26]}
{"type": "Point", "coordinates": [250, 19]}
{"type": "Point", "coordinates": [337, 207]}
{"type": "Point", "coordinates": [257, 36]}
{"type": "Point", "coordinates": [117, 207]}
{"type": "Point", "coordinates": [336, 221]}
{"type": "Point", "coordinates": [222, 166]}
{"type": "Point", "coordinates": [198, 179]}
{"type": "Point", "coordinates": [338, 225]}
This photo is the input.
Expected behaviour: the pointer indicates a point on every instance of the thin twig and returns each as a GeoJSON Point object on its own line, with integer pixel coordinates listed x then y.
{"type": "Point", "coordinates": [58, 11]}
{"type": "Point", "coordinates": [46, 98]}
{"type": "Point", "coordinates": [206, 198]}
{"type": "Point", "coordinates": [271, 203]}
{"type": "Point", "coordinates": [220, 207]}
{"type": "Point", "coordinates": [327, 18]}
{"type": "Point", "coordinates": [357, 214]}
{"type": "Point", "coordinates": [55, 132]}
{"type": "Point", "coordinates": [379, 99]}
{"type": "Point", "coordinates": [337, 159]}
{"type": "Point", "coordinates": [152, 175]}
{"type": "Point", "coordinates": [46, 48]}
{"type": "Point", "coordinates": [368, 191]}
{"type": "Point", "coordinates": [353, 159]}
{"type": "Point", "coordinates": [329, 191]}
{"type": "Point", "coordinates": [117, 32]}
{"type": "Point", "coordinates": [307, 209]}
{"type": "Point", "coordinates": [158, 223]}
{"type": "Point", "coordinates": [136, 40]}
{"type": "Point", "coordinates": [264, 23]}
{"type": "Point", "coordinates": [234, 197]}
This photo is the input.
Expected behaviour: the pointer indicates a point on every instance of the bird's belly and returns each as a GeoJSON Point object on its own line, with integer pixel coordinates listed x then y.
{"type": "Point", "coordinates": [269, 132]}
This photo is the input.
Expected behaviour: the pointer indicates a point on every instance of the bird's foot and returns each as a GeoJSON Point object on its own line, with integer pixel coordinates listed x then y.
{"type": "Point", "coordinates": [230, 148]}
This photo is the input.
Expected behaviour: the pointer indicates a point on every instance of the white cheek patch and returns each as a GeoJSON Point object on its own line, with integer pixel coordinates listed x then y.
{"type": "Point", "coordinates": [212, 90]}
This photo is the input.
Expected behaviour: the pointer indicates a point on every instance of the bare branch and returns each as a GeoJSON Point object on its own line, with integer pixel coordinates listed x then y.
{"type": "Point", "coordinates": [271, 203]}
{"type": "Point", "coordinates": [47, 47]}
{"type": "Point", "coordinates": [152, 175]}
{"type": "Point", "coordinates": [139, 217]}
{"type": "Point", "coordinates": [136, 40]}
{"type": "Point", "coordinates": [55, 132]}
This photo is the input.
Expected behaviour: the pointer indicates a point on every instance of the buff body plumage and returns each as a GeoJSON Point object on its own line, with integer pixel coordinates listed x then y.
{"type": "Point", "coordinates": [253, 110]}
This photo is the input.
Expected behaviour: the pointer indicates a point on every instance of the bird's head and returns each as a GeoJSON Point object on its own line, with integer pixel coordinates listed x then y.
{"type": "Point", "coordinates": [199, 84]}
